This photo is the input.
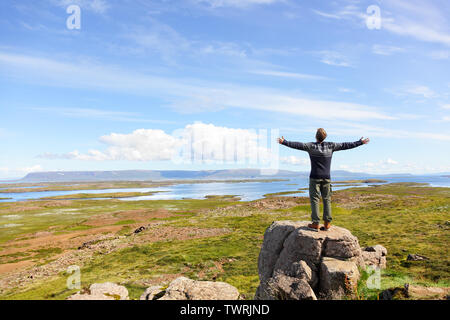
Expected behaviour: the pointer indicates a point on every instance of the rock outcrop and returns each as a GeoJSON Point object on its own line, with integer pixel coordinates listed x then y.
{"type": "Point", "coordinates": [183, 288]}
{"type": "Point", "coordinates": [102, 291]}
{"type": "Point", "coordinates": [296, 262]}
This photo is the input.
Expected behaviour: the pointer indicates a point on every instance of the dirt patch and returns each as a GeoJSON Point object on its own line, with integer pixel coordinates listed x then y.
{"type": "Point", "coordinates": [159, 233]}
{"type": "Point", "coordinates": [23, 206]}
{"type": "Point", "coordinates": [349, 200]}
{"type": "Point", "coordinates": [8, 267]}
{"type": "Point", "coordinates": [48, 239]}
{"type": "Point", "coordinates": [278, 202]}
{"type": "Point", "coordinates": [140, 215]}
{"type": "Point", "coordinates": [214, 271]}
{"type": "Point", "coordinates": [252, 207]}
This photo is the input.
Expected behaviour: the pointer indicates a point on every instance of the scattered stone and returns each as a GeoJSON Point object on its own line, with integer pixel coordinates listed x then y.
{"type": "Point", "coordinates": [416, 257]}
{"type": "Point", "coordinates": [87, 244]}
{"type": "Point", "coordinates": [183, 288]}
{"type": "Point", "coordinates": [102, 291]}
{"type": "Point", "coordinates": [415, 292]}
{"type": "Point", "coordinates": [140, 229]}
{"type": "Point", "coordinates": [152, 293]}
{"type": "Point", "coordinates": [394, 293]}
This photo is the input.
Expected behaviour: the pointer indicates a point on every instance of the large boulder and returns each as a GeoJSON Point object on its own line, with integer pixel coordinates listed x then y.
{"type": "Point", "coordinates": [323, 263]}
{"type": "Point", "coordinates": [102, 291]}
{"type": "Point", "coordinates": [183, 288]}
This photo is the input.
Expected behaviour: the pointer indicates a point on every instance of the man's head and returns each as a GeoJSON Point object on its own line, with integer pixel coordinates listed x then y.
{"type": "Point", "coordinates": [321, 134]}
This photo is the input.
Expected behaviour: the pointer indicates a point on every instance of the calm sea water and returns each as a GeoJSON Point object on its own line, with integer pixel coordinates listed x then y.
{"type": "Point", "coordinates": [245, 190]}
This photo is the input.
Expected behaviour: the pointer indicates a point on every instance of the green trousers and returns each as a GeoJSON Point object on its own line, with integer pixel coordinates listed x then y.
{"type": "Point", "coordinates": [320, 188]}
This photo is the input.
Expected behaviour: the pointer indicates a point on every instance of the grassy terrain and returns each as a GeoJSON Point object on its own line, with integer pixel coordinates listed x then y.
{"type": "Point", "coordinates": [361, 181]}
{"type": "Point", "coordinates": [219, 238]}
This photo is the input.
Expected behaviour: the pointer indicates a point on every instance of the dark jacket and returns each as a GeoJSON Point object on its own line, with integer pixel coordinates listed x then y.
{"type": "Point", "coordinates": [321, 154]}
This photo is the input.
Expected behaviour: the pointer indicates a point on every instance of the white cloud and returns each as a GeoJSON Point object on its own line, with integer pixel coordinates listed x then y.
{"type": "Point", "coordinates": [334, 58]}
{"type": "Point", "coordinates": [385, 50]}
{"type": "Point", "coordinates": [415, 90]}
{"type": "Point", "coordinates": [346, 90]}
{"type": "Point", "coordinates": [224, 48]}
{"type": "Point", "coordinates": [101, 114]}
{"type": "Point", "coordinates": [235, 3]}
{"type": "Point", "coordinates": [140, 145]}
{"type": "Point", "coordinates": [387, 166]}
{"type": "Point", "coordinates": [97, 6]}
{"type": "Point", "coordinates": [373, 131]}
{"type": "Point", "coordinates": [327, 15]}
{"type": "Point", "coordinates": [294, 160]}
{"type": "Point", "coordinates": [440, 55]}
{"type": "Point", "coordinates": [446, 106]}
{"type": "Point", "coordinates": [292, 75]}
{"type": "Point", "coordinates": [196, 142]}
{"type": "Point", "coordinates": [16, 172]}
{"type": "Point", "coordinates": [422, 20]}
{"type": "Point", "coordinates": [418, 31]}
{"type": "Point", "coordinates": [186, 95]}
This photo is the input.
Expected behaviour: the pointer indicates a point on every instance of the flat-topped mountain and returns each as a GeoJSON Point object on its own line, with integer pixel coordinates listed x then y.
{"type": "Point", "coordinates": [138, 175]}
{"type": "Point", "coordinates": [135, 175]}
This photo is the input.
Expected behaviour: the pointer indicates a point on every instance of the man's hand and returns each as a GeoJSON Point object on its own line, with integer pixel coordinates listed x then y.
{"type": "Point", "coordinates": [364, 141]}
{"type": "Point", "coordinates": [280, 140]}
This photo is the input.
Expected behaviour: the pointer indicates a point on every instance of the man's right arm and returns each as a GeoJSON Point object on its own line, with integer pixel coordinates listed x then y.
{"type": "Point", "coordinates": [296, 145]}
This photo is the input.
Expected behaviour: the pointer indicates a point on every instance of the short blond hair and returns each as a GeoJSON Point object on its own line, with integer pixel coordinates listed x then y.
{"type": "Point", "coordinates": [321, 134]}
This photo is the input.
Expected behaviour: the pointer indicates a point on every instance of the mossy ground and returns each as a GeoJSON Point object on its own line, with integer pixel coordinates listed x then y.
{"type": "Point", "coordinates": [403, 218]}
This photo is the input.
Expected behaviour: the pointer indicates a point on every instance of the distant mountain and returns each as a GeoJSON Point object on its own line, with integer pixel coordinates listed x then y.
{"type": "Point", "coordinates": [137, 175]}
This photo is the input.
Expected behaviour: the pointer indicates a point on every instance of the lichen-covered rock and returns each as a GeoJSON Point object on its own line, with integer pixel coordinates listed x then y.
{"type": "Point", "coordinates": [183, 288]}
{"type": "Point", "coordinates": [337, 278]}
{"type": "Point", "coordinates": [293, 254]}
{"type": "Point", "coordinates": [375, 256]}
{"type": "Point", "coordinates": [102, 291]}
{"type": "Point", "coordinates": [283, 287]}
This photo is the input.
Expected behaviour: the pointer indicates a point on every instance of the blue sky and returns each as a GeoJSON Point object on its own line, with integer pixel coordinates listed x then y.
{"type": "Point", "coordinates": [126, 89]}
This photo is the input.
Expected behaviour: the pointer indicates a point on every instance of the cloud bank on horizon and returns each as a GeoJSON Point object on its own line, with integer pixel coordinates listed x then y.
{"type": "Point", "coordinates": [126, 89]}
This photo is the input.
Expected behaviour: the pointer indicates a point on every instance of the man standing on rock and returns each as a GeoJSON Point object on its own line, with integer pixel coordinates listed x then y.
{"type": "Point", "coordinates": [320, 154]}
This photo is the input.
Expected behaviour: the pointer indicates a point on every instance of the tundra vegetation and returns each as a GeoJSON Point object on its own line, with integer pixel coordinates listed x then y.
{"type": "Point", "coordinates": [216, 238]}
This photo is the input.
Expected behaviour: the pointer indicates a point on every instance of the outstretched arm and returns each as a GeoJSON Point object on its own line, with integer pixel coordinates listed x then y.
{"type": "Point", "coordinates": [293, 144]}
{"type": "Point", "coordinates": [350, 145]}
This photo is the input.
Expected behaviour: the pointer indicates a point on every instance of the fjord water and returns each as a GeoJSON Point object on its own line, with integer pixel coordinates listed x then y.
{"type": "Point", "coordinates": [247, 191]}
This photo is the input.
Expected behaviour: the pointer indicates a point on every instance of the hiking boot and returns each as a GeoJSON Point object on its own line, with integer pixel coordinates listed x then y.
{"type": "Point", "coordinates": [326, 226]}
{"type": "Point", "coordinates": [314, 226]}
